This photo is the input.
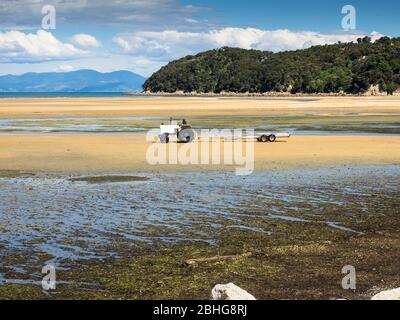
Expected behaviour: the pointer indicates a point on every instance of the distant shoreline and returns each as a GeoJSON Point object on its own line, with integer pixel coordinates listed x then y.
{"type": "Point", "coordinates": [253, 95]}
{"type": "Point", "coordinates": [4, 95]}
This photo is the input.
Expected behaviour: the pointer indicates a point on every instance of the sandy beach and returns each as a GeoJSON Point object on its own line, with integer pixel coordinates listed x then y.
{"type": "Point", "coordinates": [86, 152]}
{"type": "Point", "coordinates": [80, 153]}
{"type": "Point", "coordinates": [36, 108]}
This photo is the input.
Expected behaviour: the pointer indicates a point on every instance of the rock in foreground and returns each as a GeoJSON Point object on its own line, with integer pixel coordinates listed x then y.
{"type": "Point", "coordinates": [388, 295]}
{"type": "Point", "coordinates": [230, 292]}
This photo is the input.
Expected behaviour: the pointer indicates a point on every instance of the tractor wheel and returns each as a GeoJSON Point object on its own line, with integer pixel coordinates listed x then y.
{"type": "Point", "coordinates": [186, 135]}
{"type": "Point", "coordinates": [263, 138]}
{"type": "Point", "coordinates": [272, 138]}
{"type": "Point", "coordinates": [164, 138]}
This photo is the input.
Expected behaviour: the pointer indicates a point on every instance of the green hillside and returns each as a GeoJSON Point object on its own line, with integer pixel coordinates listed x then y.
{"type": "Point", "coordinates": [342, 67]}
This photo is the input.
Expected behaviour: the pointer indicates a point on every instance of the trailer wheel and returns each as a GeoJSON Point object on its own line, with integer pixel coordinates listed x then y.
{"type": "Point", "coordinates": [263, 138]}
{"type": "Point", "coordinates": [272, 138]}
{"type": "Point", "coordinates": [164, 138]}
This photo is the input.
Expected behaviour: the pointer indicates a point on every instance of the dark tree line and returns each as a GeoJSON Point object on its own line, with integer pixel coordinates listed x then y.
{"type": "Point", "coordinates": [342, 67]}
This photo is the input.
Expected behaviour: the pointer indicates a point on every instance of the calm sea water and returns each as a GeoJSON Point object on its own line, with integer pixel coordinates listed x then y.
{"type": "Point", "coordinates": [60, 94]}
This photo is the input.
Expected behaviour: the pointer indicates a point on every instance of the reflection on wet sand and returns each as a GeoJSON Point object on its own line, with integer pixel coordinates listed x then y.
{"type": "Point", "coordinates": [69, 221]}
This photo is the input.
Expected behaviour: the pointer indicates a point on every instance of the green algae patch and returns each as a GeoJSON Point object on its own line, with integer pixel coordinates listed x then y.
{"type": "Point", "coordinates": [109, 179]}
{"type": "Point", "coordinates": [14, 174]}
{"type": "Point", "coordinates": [298, 267]}
{"type": "Point", "coordinates": [301, 265]}
{"type": "Point", "coordinates": [21, 292]}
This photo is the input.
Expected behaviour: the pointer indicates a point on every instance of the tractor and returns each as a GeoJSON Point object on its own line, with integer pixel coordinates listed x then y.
{"type": "Point", "coordinates": [182, 131]}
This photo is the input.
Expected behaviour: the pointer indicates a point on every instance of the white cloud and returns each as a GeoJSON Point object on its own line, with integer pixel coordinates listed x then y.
{"type": "Point", "coordinates": [139, 44]}
{"type": "Point", "coordinates": [64, 68]}
{"type": "Point", "coordinates": [282, 40]}
{"type": "Point", "coordinates": [172, 44]}
{"type": "Point", "coordinates": [16, 46]}
{"type": "Point", "coordinates": [85, 41]}
{"type": "Point", "coordinates": [190, 20]}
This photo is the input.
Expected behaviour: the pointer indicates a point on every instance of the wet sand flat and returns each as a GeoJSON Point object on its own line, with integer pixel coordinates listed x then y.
{"type": "Point", "coordinates": [127, 153]}
{"type": "Point", "coordinates": [31, 108]}
{"type": "Point", "coordinates": [111, 240]}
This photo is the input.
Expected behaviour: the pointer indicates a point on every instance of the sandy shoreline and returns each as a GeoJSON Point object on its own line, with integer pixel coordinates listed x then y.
{"type": "Point", "coordinates": [85, 153]}
{"type": "Point", "coordinates": [41, 108]}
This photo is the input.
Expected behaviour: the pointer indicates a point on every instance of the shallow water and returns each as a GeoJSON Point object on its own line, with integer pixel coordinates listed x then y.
{"type": "Point", "coordinates": [76, 220]}
{"type": "Point", "coordinates": [68, 125]}
{"type": "Point", "coordinates": [60, 94]}
{"type": "Point", "coordinates": [142, 124]}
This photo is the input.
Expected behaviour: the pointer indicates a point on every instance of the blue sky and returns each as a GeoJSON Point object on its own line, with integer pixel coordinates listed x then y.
{"type": "Point", "coordinates": [322, 16]}
{"type": "Point", "coordinates": [143, 35]}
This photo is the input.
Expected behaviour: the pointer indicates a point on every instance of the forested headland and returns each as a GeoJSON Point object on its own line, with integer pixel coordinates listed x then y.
{"type": "Point", "coordinates": [348, 68]}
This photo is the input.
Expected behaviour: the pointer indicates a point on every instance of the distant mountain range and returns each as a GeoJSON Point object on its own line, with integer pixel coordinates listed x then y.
{"type": "Point", "coordinates": [75, 81]}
